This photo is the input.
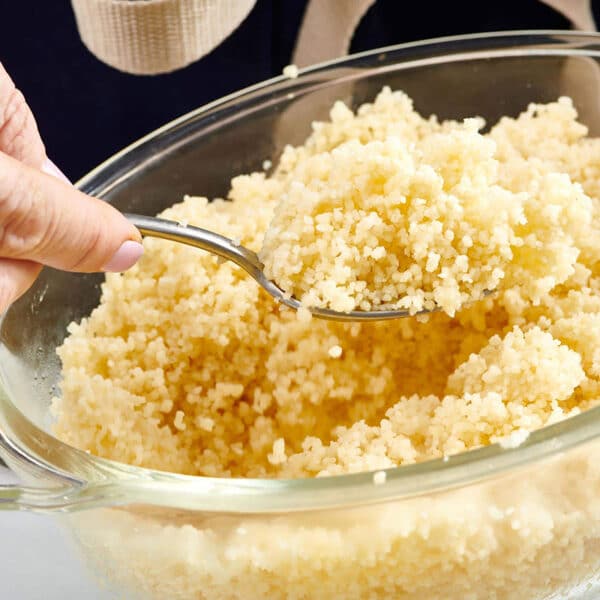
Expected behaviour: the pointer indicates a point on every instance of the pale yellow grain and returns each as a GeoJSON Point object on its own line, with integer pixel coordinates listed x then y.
{"type": "Point", "coordinates": [187, 366]}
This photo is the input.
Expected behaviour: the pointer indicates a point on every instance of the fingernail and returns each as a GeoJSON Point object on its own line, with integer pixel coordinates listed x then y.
{"type": "Point", "coordinates": [51, 169]}
{"type": "Point", "coordinates": [125, 257]}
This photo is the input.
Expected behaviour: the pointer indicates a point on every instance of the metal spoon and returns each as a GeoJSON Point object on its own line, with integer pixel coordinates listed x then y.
{"type": "Point", "coordinates": [249, 261]}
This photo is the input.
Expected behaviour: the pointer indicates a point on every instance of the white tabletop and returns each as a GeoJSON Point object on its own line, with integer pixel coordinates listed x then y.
{"type": "Point", "coordinates": [39, 561]}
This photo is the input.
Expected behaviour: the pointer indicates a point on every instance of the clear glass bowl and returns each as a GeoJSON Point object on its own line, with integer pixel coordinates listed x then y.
{"type": "Point", "coordinates": [488, 524]}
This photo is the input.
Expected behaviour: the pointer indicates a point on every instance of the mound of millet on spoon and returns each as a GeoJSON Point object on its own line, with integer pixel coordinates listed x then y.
{"type": "Point", "coordinates": [415, 222]}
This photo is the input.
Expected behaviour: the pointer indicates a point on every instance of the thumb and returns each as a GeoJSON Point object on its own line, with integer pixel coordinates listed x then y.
{"type": "Point", "coordinates": [47, 221]}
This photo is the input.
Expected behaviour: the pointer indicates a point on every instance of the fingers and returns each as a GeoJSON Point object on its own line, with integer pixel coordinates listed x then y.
{"type": "Point", "coordinates": [16, 276]}
{"type": "Point", "coordinates": [19, 136]}
{"type": "Point", "coordinates": [46, 221]}
{"type": "Point", "coordinates": [43, 219]}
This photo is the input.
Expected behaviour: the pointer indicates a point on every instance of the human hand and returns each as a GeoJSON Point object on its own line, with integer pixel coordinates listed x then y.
{"type": "Point", "coordinates": [44, 220]}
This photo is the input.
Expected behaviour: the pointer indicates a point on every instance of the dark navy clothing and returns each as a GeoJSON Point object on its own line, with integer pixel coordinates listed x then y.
{"type": "Point", "coordinates": [87, 110]}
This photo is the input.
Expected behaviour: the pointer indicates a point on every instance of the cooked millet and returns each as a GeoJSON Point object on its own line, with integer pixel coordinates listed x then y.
{"type": "Point", "coordinates": [416, 223]}
{"type": "Point", "coordinates": [379, 477]}
{"type": "Point", "coordinates": [182, 339]}
{"type": "Point", "coordinates": [186, 360]}
{"type": "Point", "coordinates": [290, 71]}
{"type": "Point", "coordinates": [335, 351]}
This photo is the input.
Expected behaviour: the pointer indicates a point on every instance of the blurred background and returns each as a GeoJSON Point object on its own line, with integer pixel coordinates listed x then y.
{"type": "Point", "coordinates": [86, 110]}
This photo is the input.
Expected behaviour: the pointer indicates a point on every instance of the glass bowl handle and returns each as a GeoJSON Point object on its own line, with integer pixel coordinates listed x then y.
{"type": "Point", "coordinates": [16, 496]}
{"type": "Point", "coordinates": [12, 492]}
{"type": "Point", "coordinates": [41, 490]}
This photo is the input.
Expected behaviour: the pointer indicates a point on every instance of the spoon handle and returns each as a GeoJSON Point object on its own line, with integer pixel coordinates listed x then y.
{"type": "Point", "coordinates": [199, 238]}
